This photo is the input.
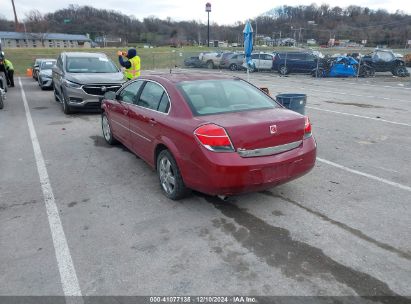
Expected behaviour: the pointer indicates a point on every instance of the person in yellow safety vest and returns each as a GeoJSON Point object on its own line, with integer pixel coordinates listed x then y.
{"type": "Point", "coordinates": [10, 72]}
{"type": "Point", "coordinates": [132, 65]}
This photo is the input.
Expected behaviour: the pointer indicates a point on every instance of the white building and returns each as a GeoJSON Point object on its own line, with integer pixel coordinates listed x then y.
{"type": "Point", "coordinates": [43, 40]}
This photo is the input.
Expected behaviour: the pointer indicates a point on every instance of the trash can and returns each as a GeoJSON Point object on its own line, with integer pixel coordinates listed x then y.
{"type": "Point", "coordinates": [293, 101]}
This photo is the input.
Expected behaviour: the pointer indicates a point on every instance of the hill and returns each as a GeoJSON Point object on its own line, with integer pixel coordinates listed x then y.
{"type": "Point", "coordinates": [301, 22]}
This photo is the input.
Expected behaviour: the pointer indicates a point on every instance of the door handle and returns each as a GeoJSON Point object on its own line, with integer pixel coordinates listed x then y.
{"type": "Point", "coordinates": [125, 112]}
{"type": "Point", "coordinates": [152, 121]}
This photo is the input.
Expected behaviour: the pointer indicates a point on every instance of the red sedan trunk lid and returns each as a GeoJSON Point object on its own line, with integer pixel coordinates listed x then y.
{"type": "Point", "coordinates": [258, 129]}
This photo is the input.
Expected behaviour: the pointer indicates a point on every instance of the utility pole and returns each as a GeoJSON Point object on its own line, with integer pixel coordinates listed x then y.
{"type": "Point", "coordinates": [256, 31]}
{"type": "Point", "coordinates": [16, 21]}
{"type": "Point", "coordinates": [299, 36]}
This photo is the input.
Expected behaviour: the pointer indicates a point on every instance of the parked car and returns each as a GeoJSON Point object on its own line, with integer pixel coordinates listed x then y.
{"type": "Point", "coordinates": [407, 59]}
{"type": "Point", "coordinates": [80, 79]}
{"type": "Point", "coordinates": [2, 91]}
{"type": "Point", "coordinates": [212, 60]}
{"type": "Point", "coordinates": [294, 62]}
{"type": "Point", "coordinates": [215, 134]}
{"type": "Point", "coordinates": [193, 62]}
{"type": "Point", "coordinates": [343, 66]}
{"type": "Point", "coordinates": [233, 62]}
{"type": "Point", "coordinates": [386, 61]}
{"type": "Point", "coordinates": [224, 57]}
{"type": "Point", "coordinates": [260, 61]}
{"type": "Point", "coordinates": [44, 77]}
{"type": "Point", "coordinates": [36, 65]}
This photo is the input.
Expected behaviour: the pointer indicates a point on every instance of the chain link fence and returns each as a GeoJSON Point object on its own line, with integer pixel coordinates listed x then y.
{"type": "Point", "coordinates": [23, 58]}
{"type": "Point", "coordinates": [151, 59]}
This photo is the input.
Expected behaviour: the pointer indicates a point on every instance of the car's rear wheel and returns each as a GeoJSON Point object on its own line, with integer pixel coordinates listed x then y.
{"type": "Point", "coordinates": [1, 101]}
{"type": "Point", "coordinates": [170, 177]}
{"type": "Point", "coordinates": [107, 133]}
{"type": "Point", "coordinates": [400, 71]}
{"type": "Point", "coordinates": [283, 70]}
{"type": "Point", "coordinates": [233, 67]}
{"type": "Point", "coordinates": [210, 65]}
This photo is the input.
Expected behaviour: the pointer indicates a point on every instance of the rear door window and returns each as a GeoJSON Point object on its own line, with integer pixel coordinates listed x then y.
{"type": "Point", "coordinates": [164, 105]}
{"type": "Point", "coordinates": [150, 96]}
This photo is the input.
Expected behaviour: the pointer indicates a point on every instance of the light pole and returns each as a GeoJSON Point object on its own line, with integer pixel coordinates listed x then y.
{"type": "Point", "coordinates": [208, 10]}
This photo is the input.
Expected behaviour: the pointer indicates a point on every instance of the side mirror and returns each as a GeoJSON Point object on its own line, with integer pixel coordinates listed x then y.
{"type": "Point", "coordinates": [110, 95]}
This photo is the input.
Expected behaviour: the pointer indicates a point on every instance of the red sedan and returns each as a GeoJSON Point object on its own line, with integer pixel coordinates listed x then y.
{"type": "Point", "coordinates": [218, 135]}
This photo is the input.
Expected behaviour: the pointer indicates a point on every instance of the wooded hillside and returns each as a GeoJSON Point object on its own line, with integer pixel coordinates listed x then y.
{"type": "Point", "coordinates": [301, 22]}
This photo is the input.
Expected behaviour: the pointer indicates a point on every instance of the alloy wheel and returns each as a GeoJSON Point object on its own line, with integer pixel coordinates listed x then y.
{"type": "Point", "coordinates": [167, 177]}
{"type": "Point", "coordinates": [106, 128]}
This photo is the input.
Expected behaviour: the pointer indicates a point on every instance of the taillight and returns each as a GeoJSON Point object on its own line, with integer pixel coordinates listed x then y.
{"type": "Point", "coordinates": [214, 138]}
{"type": "Point", "coordinates": [307, 127]}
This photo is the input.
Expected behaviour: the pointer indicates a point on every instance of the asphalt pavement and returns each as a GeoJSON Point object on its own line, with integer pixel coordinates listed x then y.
{"type": "Point", "coordinates": [344, 229]}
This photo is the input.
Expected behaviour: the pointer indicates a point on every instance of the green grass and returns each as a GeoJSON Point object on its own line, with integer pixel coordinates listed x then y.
{"type": "Point", "coordinates": [155, 58]}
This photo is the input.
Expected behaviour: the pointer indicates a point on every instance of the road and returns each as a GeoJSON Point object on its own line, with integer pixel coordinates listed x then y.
{"type": "Point", "coordinates": [342, 230]}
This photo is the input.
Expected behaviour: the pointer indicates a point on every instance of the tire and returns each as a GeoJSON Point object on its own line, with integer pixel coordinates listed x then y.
{"type": "Point", "coordinates": [66, 108]}
{"type": "Point", "coordinates": [210, 65]}
{"type": "Point", "coordinates": [363, 72]}
{"type": "Point", "coordinates": [171, 181]}
{"type": "Point", "coordinates": [233, 67]}
{"type": "Point", "coordinates": [106, 129]}
{"type": "Point", "coordinates": [283, 70]}
{"type": "Point", "coordinates": [400, 71]}
{"type": "Point", "coordinates": [371, 72]}
{"type": "Point", "coordinates": [1, 102]}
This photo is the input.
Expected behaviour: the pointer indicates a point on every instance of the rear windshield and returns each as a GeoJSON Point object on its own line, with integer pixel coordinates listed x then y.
{"type": "Point", "coordinates": [207, 97]}
{"type": "Point", "coordinates": [292, 55]}
{"type": "Point", "coordinates": [90, 65]}
{"type": "Point", "coordinates": [47, 65]}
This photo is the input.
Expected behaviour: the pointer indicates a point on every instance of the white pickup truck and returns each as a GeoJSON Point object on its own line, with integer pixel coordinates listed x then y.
{"type": "Point", "coordinates": [211, 59]}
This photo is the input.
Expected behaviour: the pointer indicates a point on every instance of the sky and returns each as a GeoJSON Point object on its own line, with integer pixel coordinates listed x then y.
{"type": "Point", "coordinates": [222, 11]}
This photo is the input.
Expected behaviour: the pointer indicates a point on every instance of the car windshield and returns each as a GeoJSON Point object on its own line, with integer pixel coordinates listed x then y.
{"type": "Point", "coordinates": [206, 97]}
{"type": "Point", "coordinates": [47, 65]}
{"type": "Point", "coordinates": [90, 65]}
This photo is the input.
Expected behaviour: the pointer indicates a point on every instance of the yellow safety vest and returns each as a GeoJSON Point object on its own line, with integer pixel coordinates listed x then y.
{"type": "Point", "coordinates": [8, 64]}
{"type": "Point", "coordinates": [134, 70]}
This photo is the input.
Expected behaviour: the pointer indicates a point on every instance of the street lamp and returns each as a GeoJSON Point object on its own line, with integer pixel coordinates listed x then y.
{"type": "Point", "coordinates": [208, 10]}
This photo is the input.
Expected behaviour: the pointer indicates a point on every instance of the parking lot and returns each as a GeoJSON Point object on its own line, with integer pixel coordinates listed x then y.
{"type": "Point", "coordinates": [97, 224]}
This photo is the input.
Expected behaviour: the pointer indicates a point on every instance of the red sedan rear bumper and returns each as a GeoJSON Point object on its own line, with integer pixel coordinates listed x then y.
{"type": "Point", "coordinates": [229, 173]}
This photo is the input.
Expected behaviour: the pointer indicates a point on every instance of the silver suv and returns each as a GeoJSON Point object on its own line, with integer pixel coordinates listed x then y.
{"type": "Point", "coordinates": [81, 79]}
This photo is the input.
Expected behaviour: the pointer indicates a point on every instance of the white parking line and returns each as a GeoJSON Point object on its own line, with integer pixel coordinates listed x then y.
{"type": "Point", "coordinates": [361, 116]}
{"type": "Point", "coordinates": [68, 275]}
{"type": "Point", "coordinates": [382, 180]}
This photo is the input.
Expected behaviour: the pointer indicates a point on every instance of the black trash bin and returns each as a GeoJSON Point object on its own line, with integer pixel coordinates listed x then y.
{"type": "Point", "coordinates": [293, 101]}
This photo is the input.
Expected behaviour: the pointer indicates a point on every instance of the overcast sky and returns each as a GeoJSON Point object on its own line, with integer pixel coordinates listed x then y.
{"type": "Point", "coordinates": [223, 11]}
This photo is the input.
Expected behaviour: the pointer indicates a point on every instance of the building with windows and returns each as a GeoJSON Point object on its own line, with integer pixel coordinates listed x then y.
{"type": "Point", "coordinates": [43, 40]}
